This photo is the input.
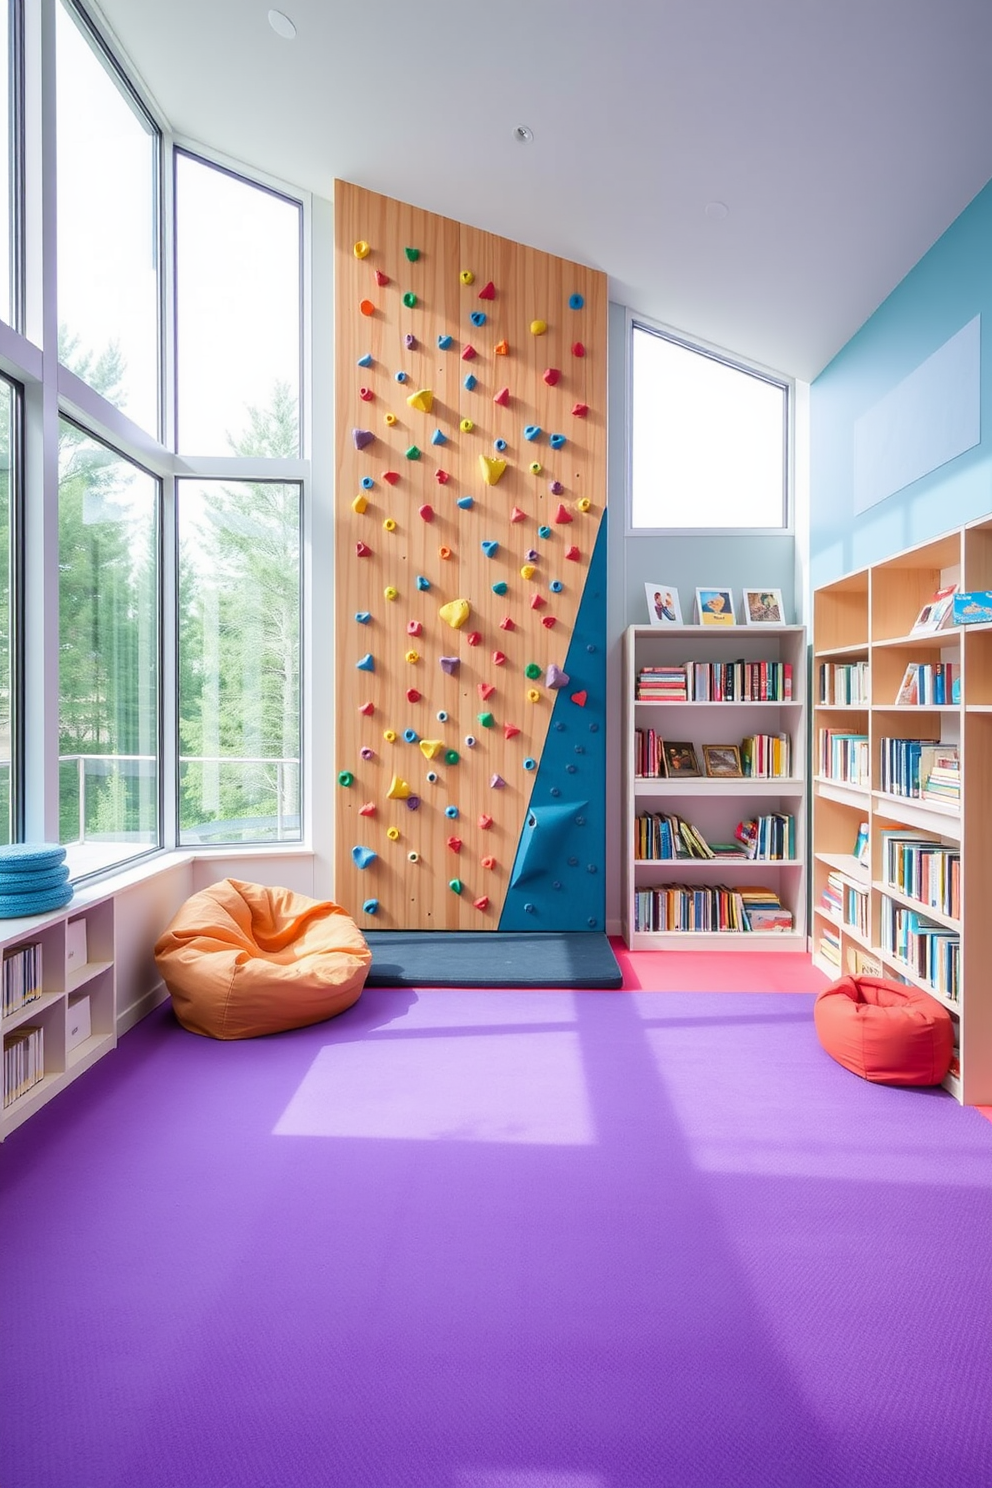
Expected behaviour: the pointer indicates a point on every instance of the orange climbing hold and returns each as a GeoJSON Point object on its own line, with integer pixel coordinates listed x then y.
{"type": "Point", "coordinates": [502, 348]}
{"type": "Point", "coordinates": [367, 307]}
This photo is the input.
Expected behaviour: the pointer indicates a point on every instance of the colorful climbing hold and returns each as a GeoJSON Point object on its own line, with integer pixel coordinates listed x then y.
{"type": "Point", "coordinates": [482, 902]}
{"type": "Point", "coordinates": [412, 657]}
{"type": "Point", "coordinates": [470, 382]}
{"type": "Point", "coordinates": [469, 741]}
{"type": "Point", "coordinates": [544, 531]}
{"type": "Point", "coordinates": [488, 862]}
{"type": "Point", "coordinates": [391, 592]}
{"type": "Point", "coordinates": [439, 437]}
{"type": "Point", "coordinates": [426, 512]}
{"type": "Point", "coordinates": [556, 441]}
{"type": "Point", "coordinates": [389, 524]}
{"type": "Point", "coordinates": [366, 360]}
{"type": "Point", "coordinates": [422, 583]}
{"type": "Point", "coordinates": [485, 689]}
{"type": "Point", "coordinates": [465, 502]}
{"type": "Point", "coordinates": [444, 551]}
{"type": "Point", "coordinates": [490, 548]}
{"type": "Point", "coordinates": [538, 327]}
{"type": "Point", "coordinates": [368, 809]}
{"type": "Point", "coordinates": [345, 777]}
{"type": "Point", "coordinates": [563, 514]}
{"type": "Point", "coordinates": [381, 279]}
{"type": "Point", "coordinates": [413, 803]}
{"type": "Point", "coordinates": [393, 833]}
{"type": "Point", "coordinates": [528, 571]}
{"type": "Point", "coordinates": [473, 637]}
{"type": "Point", "coordinates": [366, 664]}
{"type": "Point", "coordinates": [455, 885]}
{"type": "Point", "coordinates": [367, 483]}
{"type": "Point", "coordinates": [412, 695]}
{"type": "Point", "coordinates": [398, 789]}
{"type": "Point", "coordinates": [389, 735]}
{"type": "Point", "coordinates": [537, 601]}
{"type": "Point", "coordinates": [362, 249]}
{"type": "Point", "coordinates": [498, 658]}
{"type": "Point", "coordinates": [551, 375]}
{"type": "Point", "coordinates": [399, 377]}
{"type": "Point", "coordinates": [363, 617]}
{"type": "Point", "coordinates": [413, 453]}
{"type": "Point", "coordinates": [362, 438]}
{"type": "Point", "coordinates": [507, 623]}
{"type": "Point", "coordinates": [517, 515]}
{"type": "Point", "coordinates": [531, 555]}
{"type": "Point", "coordinates": [363, 856]}
{"type": "Point", "coordinates": [497, 782]}
{"type": "Point", "coordinates": [449, 664]}
{"type": "Point", "coordinates": [366, 394]}
{"type": "Point", "coordinates": [535, 468]}
{"type": "Point", "coordinates": [413, 857]}
{"type": "Point", "coordinates": [367, 307]}
{"type": "Point", "coordinates": [579, 698]}
{"type": "Point", "coordinates": [510, 731]}
{"type": "Point", "coordinates": [478, 317]}
{"type": "Point", "coordinates": [451, 812]}
{"type": "Point", "coordinates": [500, 587]}
{"type": "Point", "coordinates": [575, 302]}
{"type": "Point", "coordinates": [466, 426]}
{"type": "Point", "coordinates": [367, 709]}
{"type": "Point", "coordinates": [441, 476]}
{"type": "Point", "coordinates": [443, 343]}
{"type": "Point", "coordinates": [455, 612]}
{"type": "Point", "coordinates": [556, 586]}
{"type": "Point", "coordinates": [412, 254]}
{"type": "Point", "coordinates": [390, 477]}
{"type": "Point", "coordinates": [502, 348]}
{"type": "Point", "coordinates": [578, 350]}
{"type": "Point", "coordinates": [468, 353]}
{"type": "Point", "coordinates": [410, 342]}
{"type": "Point", "coordinates": [533, 696]}
{"type": "Point", "coordinates": [431, 748]}
{"type": "Point", "coordinates": [362, 550]}
{"type": "Point", "coordinates": [530, 764]}
{"type": "Point", "coordinates": [488, 292]}
{"type": "Point", "coordinates": [532, 431]}
{"type": "Point", "coordinates": [409, 299]}
{"type": "Point", "coordinates": [485, 822]}
{"type": "Point", "coordinates": [486, 719]}
{"type": "Point", "coordinates": [359, 504]}
{"type": "Point", "coordinates": [431, 777]}
{"type": "Point", "coordinates": [573, 554]}
{"type": "Point", "coordinates": [532, 670]}
{"type": "Point", "coordinates": [499, 445]}
{"type": "Point", "coordinates": [555, 677]}
{"type": "Point", "coordinates": [466, 276]}
{"type": "Point", "coordinates": [423, 399]}
{"type": "Point", "coordinates": [555, 487]}
{"type": "Point", "coordinates": [451, 756]}
{"type": "Point", "coordinates": [371, 907]}
{"type": "Point", "coordinates": [454, 844]}
{"type": "Point", "coordinates": [583, 504]}
{"type": "Point", "coordinates": [548, 621]}
{"type": "Point", "coordinates": [491, 469]}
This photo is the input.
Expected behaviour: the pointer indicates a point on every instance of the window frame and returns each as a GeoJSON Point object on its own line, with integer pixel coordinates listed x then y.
{"type": "Point", "coordinates": [636, 322]}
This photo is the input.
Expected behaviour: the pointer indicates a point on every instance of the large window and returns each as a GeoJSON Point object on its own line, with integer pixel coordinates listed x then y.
{"type": "Point", "coordinates": [108, 654]}
{"type": "Point", "coordinates": [709, 439]}
{"type": "Point", "coordinates": [237, 307]}
{"type": "Point", "coordinates": [239, 659]}
{"type": "Point", "coordinates": [108, 224]}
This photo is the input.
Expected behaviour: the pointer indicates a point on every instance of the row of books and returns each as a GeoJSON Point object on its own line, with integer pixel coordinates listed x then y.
{"type": "Point", "coordinates": [899, 766]}
{"type": "Point", "coordinates": [928, 684]}
{"type": "Point", "coordinates": [842, 756]}
{"type": "Point", "coordinates": [940, 774]}
{"type": "Point", "coordinates": [842, 683]}
{"type": "Point", "coordinates": [717, 682]}
{"type": "Point", "coordinates": [830, 945]}
{"type": "Point", "coordinates": [931, 951]}
{"type": "Point", "coordinates": [846, 901]}
{"type": "Point", "coordinates": [657, 835]}
{"type": "Point", "coordinates": [762, 757]}
{"type": "Point", "coordinates": [23, 1061]}
{"type": "Point", "coordinates": [21, 977]}
{"type": "Point", "coordinates": [922, 869]}
{"type": "Point", "coordinates": [769, 839]}
{"type": "Point", "coordinates": [716, 908]}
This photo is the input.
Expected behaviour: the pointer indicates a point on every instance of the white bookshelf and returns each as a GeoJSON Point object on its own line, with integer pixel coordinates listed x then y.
{"type": "Point", "coordinates": [715, 806]}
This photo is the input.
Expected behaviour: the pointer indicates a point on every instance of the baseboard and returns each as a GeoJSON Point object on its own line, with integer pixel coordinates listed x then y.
{"type": "Point", "coordinates": [129, 1016]}
{"type": "Point", "coordinates": [615, 927]}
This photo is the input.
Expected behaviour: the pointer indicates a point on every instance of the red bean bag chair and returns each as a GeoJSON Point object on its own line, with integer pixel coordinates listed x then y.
{"type": "Point", "coordinates": [241, 960]}
{"type": "Point", "coordinates": [885, 1031]}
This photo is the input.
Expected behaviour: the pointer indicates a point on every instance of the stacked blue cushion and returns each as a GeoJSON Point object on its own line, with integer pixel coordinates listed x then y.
{"type": "Point", "coordinates": [33, 879]}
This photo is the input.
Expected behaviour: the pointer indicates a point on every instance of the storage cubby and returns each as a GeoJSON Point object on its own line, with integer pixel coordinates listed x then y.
{"type": "Point", "coordinates": [886, 599]}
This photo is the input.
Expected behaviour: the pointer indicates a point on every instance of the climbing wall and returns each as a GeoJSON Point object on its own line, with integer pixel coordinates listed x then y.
{"type": "Point", "coordinates": [470, 575]}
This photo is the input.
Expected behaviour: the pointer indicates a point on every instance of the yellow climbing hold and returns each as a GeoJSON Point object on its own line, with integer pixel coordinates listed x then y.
{"type": "Point", "coordinates": [398, 789]}
{"type": "Point", "coordinates": [389, 524]}
{"type": "Point", "coordinates": [466, 426]}
{"type": "Point", "coordinates": [424, 400]}
{"type": "Point", "coordinates": [359, 504]}
{"type": "Point", "coordinates": [393, 833]}
{"type": "Point", "coordinates": [538, 327]}
{"type": "Point", "coordinates": [390, 419]}
{"type": "Point", "coordinates": [535, 468]}
{"type": "Point", "coordinates": [583, 504]}
{"type": "Point", "coordinates": [391, 592]}
{"type": "Point", "coordinates": [491, 469]}
{"type": "Point", "coordinates": [431, 748]}
{"type": "Point", "coordinates": [533, 696]}
{"type": "Point", "coordinates": [362, 249]}
{"type": "Point", "coordinates": [413, 657]}
{"type": "Point", "coordinates": [455, 613]}
{"type": "Point", "coordinates": [389, 735]}
{"type": "Point", "coordinates": [528, 571]}
{"type": "Point", "coordinates": [466, 276]}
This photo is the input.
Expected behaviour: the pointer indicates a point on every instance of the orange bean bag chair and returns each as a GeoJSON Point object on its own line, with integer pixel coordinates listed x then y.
{"type": "Point", "coordinates": [242, 960]}
{"type": "Point", "coordinates": [885, 1031]}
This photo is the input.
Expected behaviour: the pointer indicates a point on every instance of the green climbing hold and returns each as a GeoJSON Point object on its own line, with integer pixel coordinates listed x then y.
{"type": "Point", "coordinates": [451, 756]}
{"type": "Point", "coordinates": [413, 453]}
{"type": "Point", "coordinates": [409, 299]}
{"type": "Point", "coordinates": [532, 670]}
{"type": "Point", "coordinates": [486, 719]}
{"type": "Point", "coordinates": [412, 254]}
{"type": "Point", "coordinates": [455, 885]}
{"type": "Point", "coordinates": [345, 777]}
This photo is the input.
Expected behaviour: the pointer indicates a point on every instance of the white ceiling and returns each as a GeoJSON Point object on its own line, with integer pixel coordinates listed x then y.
{"type": "Point", "coordinates": [844, 136]}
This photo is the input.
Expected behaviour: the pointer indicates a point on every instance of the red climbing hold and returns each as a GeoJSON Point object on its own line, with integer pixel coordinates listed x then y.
{"type": "Point", "coordinates": [578, 349]}
{"type": "Point", "coordinates": [489, 293]}
{"type": "Point", "coordinates": [507, 623]}
{"type": "Point", "coordinates": [573, 554]}
{"type": "Point", "coordinates": [368, 709]}
{"type": "Point", "coordinates": [509, 730]}
{"type": "Point", "coordinates": [488, 862]}
{"type": "Point", "coordinates": [486, 690]}
{"type": "Point", "coordinates": [368, 809]}
{"type": "Point", "coordinates": [426, 511]}
{"type": "Point", "coordinates": [563, 514]}
{"type": "Point", "coordinates": [580, 698]}
{"type": "Point", "coordinates": [468, 353]}
{"type": "Point", "coordinates": [517, 515]}
{"type": "Point", "coordinates": [485, 822]}
{"type": "Point", "coordinates": [502, 397]}
{"type": "Point", "coordinates": [366, 394]}
{"type": "Point", "coordinates": [482, 902]}
{"type": "Point", "coordinates": [498, 658]}
{"type": "Point", "coordinates": [548, 621]}
{"type": "Point", "coordinates": [537, 601]}
{"type": "Point", "coordinates": [390, 477]}
{"type": "Point", "coordinates": [473, 637]}
{"type": "Point", "coordinates": [580, 409]}
{"type": "Point", "coordinates": [441, 476]}
{"type": "Point", "coordinates": [363, 550]}
{"type": "Point", "coordinates": [381, 279]}
{"type": "Point", "coordinates": [455, 843]}
{"type": "Point", "coordinates": [412, 695]}
{"type": "Point", "coordinates": [551, 375]}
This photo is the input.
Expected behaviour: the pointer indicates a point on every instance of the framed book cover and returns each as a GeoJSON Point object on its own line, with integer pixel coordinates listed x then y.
{"type": "Point", "coordinates": [723, 761]}
{"type": "Point", "coordinates": [663, 604]}
{"type": "Point", "coordinates": [715, 607]}
{"type": "Point", "coordinates": [763, 607]}
{"type": "Point", "coordinates": [937, 613]}
{"type": "Point", "coordinates": [680, 759]}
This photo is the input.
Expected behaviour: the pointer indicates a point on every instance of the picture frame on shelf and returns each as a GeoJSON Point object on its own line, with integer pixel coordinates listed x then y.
{"type": "Point", "coordinates": [973, 607]}
{"type": "Point", "coordinates": [937, 613]}
{"type": "Point", "coordinates": [680, 759]}
{"type": "Point", "coordinates": [663, 604]}
{"type": "Point", "coordinates": [715, 606]}
{"type": "Point", "coordinates": [722, 761]}
{"type": "Point", "coordinates": [763, 607]}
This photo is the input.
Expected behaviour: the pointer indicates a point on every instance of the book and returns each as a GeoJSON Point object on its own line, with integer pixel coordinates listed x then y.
{"type": "Point", "coordinates": [862, 844]}
{"type": "Point", "coordinates": [937, 613]}
{"type": "Point", "coordinates": [973, 607]}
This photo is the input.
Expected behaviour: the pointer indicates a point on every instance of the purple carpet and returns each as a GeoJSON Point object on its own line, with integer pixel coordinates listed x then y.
{"type": "Point", "coordinates": [525, 1240]}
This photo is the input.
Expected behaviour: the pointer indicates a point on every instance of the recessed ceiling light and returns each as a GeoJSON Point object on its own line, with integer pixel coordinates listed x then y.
{"type": "Point", "coordinates": [717, 210]}
{"type": "Point", "coordinates": [523, 135]}
{"type": "Point", "coordinates": [282, 25]}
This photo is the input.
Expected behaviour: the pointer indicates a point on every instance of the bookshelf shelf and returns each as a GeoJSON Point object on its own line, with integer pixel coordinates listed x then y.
{"type": "Point", "coordinates": [869, 615]}
{"type": "Point", "coordinates": [716, 805]}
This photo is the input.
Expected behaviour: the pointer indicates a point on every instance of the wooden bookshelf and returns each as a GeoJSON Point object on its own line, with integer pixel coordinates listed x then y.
{"type": "Point", "coordinates": [715, 805]}
{"type": "Point", "coordinates": [867, 616]}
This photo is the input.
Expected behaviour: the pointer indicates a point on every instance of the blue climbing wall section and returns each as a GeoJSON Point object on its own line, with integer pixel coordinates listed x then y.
{"type": "Point", "coordinates": [558, 878]}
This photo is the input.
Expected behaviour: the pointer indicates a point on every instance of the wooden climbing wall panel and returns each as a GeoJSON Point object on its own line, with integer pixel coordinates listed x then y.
{"type": "Point", "coordinates": [434, 531]}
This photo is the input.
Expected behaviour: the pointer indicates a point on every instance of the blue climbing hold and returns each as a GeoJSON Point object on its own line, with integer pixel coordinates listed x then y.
{"type": "Point", "coordinates": [530, 764]}
{"type": "Point", "coordinates": [499, 445]}
{"type": "Point", "coordinates": [442, 716]}
{"type": "Point", "coordinates": [575, 302]}
{"type": "Point", "coordinates": [556, 586]}
{"type": "Point", "coordinates": [410, 735]}
{"type": "Point", "coordinates": [478, 317]}
{"type": "Point", "coordinates": [470, 382]}
{"type": "Point", "coordinates": [366, 360]}
{"type": "Point", "coordinates": [500, 587]}
{"type": "Point", "coordinates": [367, 663]}
{"type": "Point", "coordinates": [439, 437]}
{"type": "Point", "coordinates": [557, 440]}
{"type": "Point", "coordinates": [367, 483]}
{"type": "Point", "coordinates": [370, 907]}
{"type": "Point", "coordinates": [363, 856]}
{"type": "Point", "coordinates": [443, 342]}
{"type": "Point", "coordinates": [465, 502]}
{"type": "Point", "coordinates": [490, 549]}
{"type": "Point", "coordinates": [544, 531]}
{"type": "Point", "coordinates": [451, 811]}
{"type": "Point", "coordinates": [532, 431]}
{"type": "Point", "coordinates": [423, 583]}
{"type": "Point", "coordinates": [400, 376]}
{"type": "Point", "coordinates": [363, 616]}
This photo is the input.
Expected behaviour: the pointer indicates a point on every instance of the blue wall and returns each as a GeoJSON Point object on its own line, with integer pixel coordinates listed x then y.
{"type": "Point", "coordinates": [950, 285]}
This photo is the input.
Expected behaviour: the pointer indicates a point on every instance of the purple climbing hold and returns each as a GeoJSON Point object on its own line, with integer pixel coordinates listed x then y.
{"type": "Point", "coordinates": [412, 803]}
{"type": "Point", "coordinates": [362, 437]}
{"type": "Point", "coordinates": [556, 488]}
{"type": "Point", "coordinates": [450, 664]}
{"type": "Point", "coordinates": [410, 342]}
{"type": "Point", "coordinates": [556, 677]}
{"type": "Point", "coordinates": [497, 782]}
